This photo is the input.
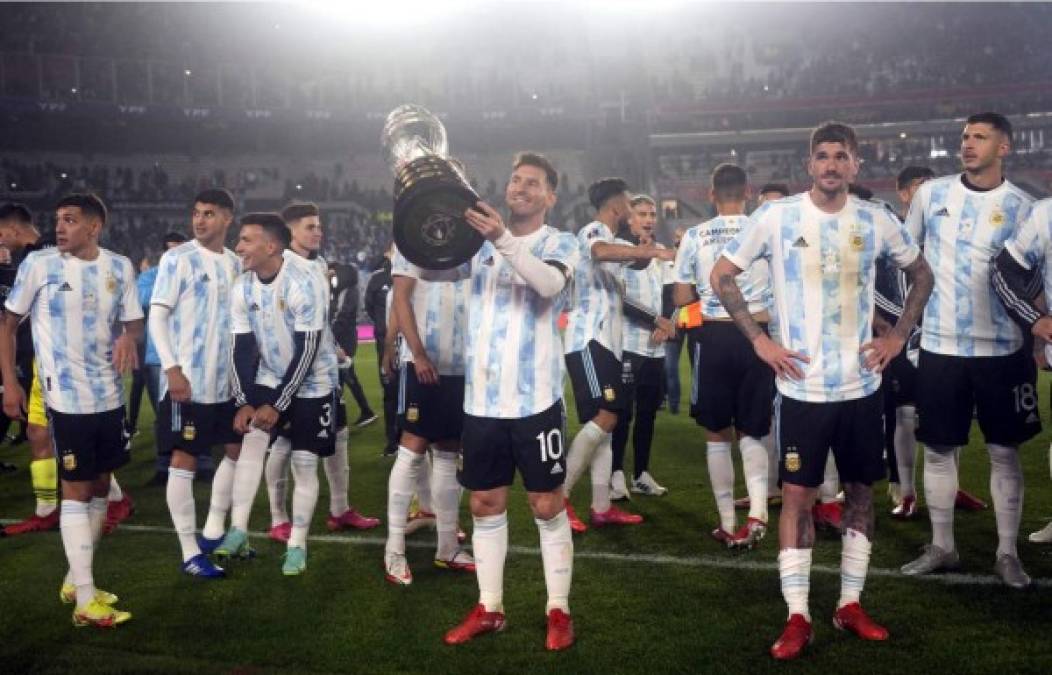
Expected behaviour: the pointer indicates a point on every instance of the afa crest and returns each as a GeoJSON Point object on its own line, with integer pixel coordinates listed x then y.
{"type": "Point", "coordinates": [111, 283]}
{"type": "Point", "coordinates": [792, 461]}
{"type": "Point", "coordinates": [412, 414]}
{"type": "Point", "coordinates": [609, 394]}
{"type": "Point", "coordinates": [997, 218]}
{"type": "Point", "coordinates": [69, 461]}
{"type": "Point", "coordinates": [189, 431]}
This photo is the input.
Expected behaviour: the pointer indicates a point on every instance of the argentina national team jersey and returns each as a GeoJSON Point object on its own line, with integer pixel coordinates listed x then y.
{"type": "Point", "coordinates": [822, 269]}
{"type": "Point", "coordinates": [597, 312]}
{"type": "Point", "coordinates": [644, 287]}
{"type": "Point", "coordinates": [195, 283]}
{"type": "Point", "coordinates": [961, 230]}
{"type": "Point", "coordinates": [698, 251]}
{"type": "Point", "coordinates": [320, 268]}
{"type": "Point", "coordinates": [1031, 245]}
{"type": "Point", "coordinates": [76, 308]}
{"type": "Point", "coordinates": [294, 301]}
{"type": "Point", "coordinates": [440, 308]}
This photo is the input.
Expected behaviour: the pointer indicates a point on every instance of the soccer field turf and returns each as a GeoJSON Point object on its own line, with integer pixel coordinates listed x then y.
{"type": "Point", "coordinates": [662, 597]}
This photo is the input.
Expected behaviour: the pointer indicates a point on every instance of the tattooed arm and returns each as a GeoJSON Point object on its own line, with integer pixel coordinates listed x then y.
{"type": "Point", "coordinates": [881, 350]}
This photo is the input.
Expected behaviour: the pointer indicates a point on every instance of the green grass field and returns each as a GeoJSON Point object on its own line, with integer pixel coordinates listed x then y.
{"type": "Point", "coordinates": [659, 598]}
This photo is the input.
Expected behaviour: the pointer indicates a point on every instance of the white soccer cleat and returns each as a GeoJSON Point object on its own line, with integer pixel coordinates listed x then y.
{"type": "Point", "coordinates": [646, 485]}
{"type": "Point", "coordinates": [618, 487]}
{"type": "Point", "coordinates": [1042, 536]}
{"type": "Point", "coordinates": [396, 569]}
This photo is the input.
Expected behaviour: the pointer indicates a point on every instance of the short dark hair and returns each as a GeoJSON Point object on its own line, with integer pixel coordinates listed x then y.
{"type": "Point", "coordinates": [996, 120]}
{"type": "Point", "coordinates": [541, 162]}
{"type": "Point", "coordinates": [16, 212]}
{"type": "Point", "coordinates": [603, 189]}
{"type": "Point", "coordinates": [297, 210]}
{"type": "Point", "coordinates": [912, 173]}
{"type": "Point", "coordinates": [86, 202]}
{"type": "Point", "coordinates": [728, 182]}
{"type": "Point", "coordinates": [860, 191]}
{"type": "Point", "coordinates": [173, 238]}
{"type": "Point", "coordinates": [834, 132]}
{"type": "Point", "coordinates": [271, 223]}
{"type": "Point", "coordinates": [642, 199]}
{"type": "Point", "coordinates": [217, 196]}
{"type": "Point", "coordinates": [780, 188]}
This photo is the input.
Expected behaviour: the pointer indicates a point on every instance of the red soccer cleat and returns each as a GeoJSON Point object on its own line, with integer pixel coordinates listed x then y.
{"type": "Point", "coordinates": [723, 536]}
{"type": "Point", "coordinates": [560, 631]}
{"type": "Point", "coordinates": [117, 512]}
{"type": "Point", "coordinates": [615, 516]}
{"type": "Point", "coordinates": [750, 534]}
{"type": "Point", "coordinates": [828, 515]}
{"type": "Point", "coordinates": [851, 618]}
{"type": "Point", "coordinates": [478, 622]}
{"type": "Point", "coordinates": [794, 638]}
{"type": "Point", "coordinates": [34, 523]}
{"type": "Point", "coordinates": [281, 532]}
{"type": "Point", "coordinates": [351, 520]}
{"type": "Point", "coordinates": [966, 501]}
{"type": "Point", "coordinates": [906, 509]}
{"type": "Point", "coordinates": [576, 524]}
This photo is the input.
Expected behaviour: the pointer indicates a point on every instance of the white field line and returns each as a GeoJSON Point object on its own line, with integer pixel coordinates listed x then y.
{"type": "Point", "coordinates": [728, 563]}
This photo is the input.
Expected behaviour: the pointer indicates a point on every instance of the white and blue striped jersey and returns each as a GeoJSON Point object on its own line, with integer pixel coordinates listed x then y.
{"type": "Point", "coordinates": [320, 268]}
{"type": "Point", "coordinates": [644, 287]}
{"type": "Point", "coordinates": [440, 309]}
{"type": "Point", "coordinates": [822, 269]}
{"type": "Point", "coordinates": [698, 252]}
{"type": "Point", "coordinates": [76, 308]}
{"type": "Point", "coordinates": [1031, 245]}
{"type": "Point", "coordinates": [194, 284]}
{"type": "Point", "coordinates": [961, 230]}
{"type": "Point", "coordinates": [293, 301]}
{"type": "Point", "coordinates": [597, 310]}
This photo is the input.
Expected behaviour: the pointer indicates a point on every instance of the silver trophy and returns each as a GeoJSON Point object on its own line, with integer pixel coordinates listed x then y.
{"type": "Point", "coordinates": [431, 192]}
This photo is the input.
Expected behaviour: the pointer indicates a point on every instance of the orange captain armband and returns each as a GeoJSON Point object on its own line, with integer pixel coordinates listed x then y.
{"type": "Point", "coordinates": [689, 316]}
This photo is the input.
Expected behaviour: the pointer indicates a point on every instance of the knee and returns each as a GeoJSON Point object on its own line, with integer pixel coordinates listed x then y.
{"type": "Point", "coordinates": [487, 503]}
{"type": "Point", "coordinates": [606, 420]}
{"type": "Point", "coordinates": [546, 505]}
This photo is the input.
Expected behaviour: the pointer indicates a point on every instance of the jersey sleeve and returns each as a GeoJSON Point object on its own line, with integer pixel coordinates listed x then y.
{"type": "Point", "coordinates": [752, 243]}
{"type": "Point", "coordinates": [28, 282]}
{"type": "Point", "coordinates": [308, 301]}
{"type": "Point", "coordinates": [131, 310]}
{"type": "Point", "coordinates": [896, 242]}
{"type": "Point", "coordinates": [590, 235]}
{"type": "Point", "coordinates": [169, 283]}
{"type": "Point", "coordinates": [561, 249]}
{"type": "Point", "coordinates": [915, 215]}
{"type": "Point", "coordinates": [685, 267]}
{"type": "Point", "coordinates": [239, 324]}
{"type": "Point", "coordinates": [400, 267]}
{"type": "Point", "coordinates": [1030, 241]}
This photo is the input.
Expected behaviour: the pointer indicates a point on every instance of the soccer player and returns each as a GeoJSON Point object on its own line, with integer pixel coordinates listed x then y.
{"type": "Point", "coordinates": [822, 247]}
{"type": "Point", "coordinates": [343, 279]}
{"type": "Point", "coordinates": [771, 192]}
{"type": "Point", "coordinates": [304, 223]}
{"type": "Point", "coordinates": [279, 310]}
{"type": "Point", "coordinates": [432, 319]}
{"type": "Point", "coordinates": [733, 387]}
{"type": "Point", "coordinates": [377, 307]}
{"type": "Point", "coordinates": [78, 297]}
{"type": "Point", "coordinates": [643, 364]}
{"type": "Point", "coordinates": [513, 388]}
{"type": "Point", "coordinates": [674, 345]}
{"type": "Point", "coordinates": [190, 330]}
{"type": "Point", "coordinates": [972, 355]}
{"type": "Point", "coordinates": [593, 345]}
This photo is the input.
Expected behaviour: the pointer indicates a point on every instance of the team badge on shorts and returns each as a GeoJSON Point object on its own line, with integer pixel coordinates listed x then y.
{"type": "Point", "coordinates": [792, 461]}
{"type": "Point", "coordinates": [609, 394]}
{"type": "Point", "coordinates": [189, 432]}
{"type": "Point", "coordinates": [997, 218]}
{"type": "Point", "coordinates": [412, 413]}
{"type": "Point", "coordinates": [69, 461]}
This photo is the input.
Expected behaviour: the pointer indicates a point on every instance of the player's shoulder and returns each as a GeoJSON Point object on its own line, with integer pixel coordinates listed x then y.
{"type": "Point", "coordinates": [942, 184]}
{"type": "Point", "coordinates": [779, 206]}
{"type": "Point", "coordinates": [42, 254]}
{"type": "Point", "coordinates": [184, 249]}
{"type": "Point", "coordinates": [115, 259]}
{"type": "Point", "coordinates": [1015, 191]}
{"type": "Point", "coordinates": [1042, 208]}
{"type": "Point", "coordinates": [594, 230]}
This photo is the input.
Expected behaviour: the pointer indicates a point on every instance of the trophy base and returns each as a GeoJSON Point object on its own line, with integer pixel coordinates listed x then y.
{"type": "Point", "coordinates": [429, 225]}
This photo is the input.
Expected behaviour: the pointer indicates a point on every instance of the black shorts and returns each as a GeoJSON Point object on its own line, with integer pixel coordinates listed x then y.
{"type": "Point", "coordinates": [643, 378]}
{"type": "Point", "coordinates": [310, 424]}
{"type": "Point", "coordinates": [596, 376]}
{"type": "Point", "coordinates": [493, 448]}
{"type": "Point", "coordinates": [432, 411]}
{"type": "Point", "coordinates": [1000, 389]}
{"type": "Point", "coordinates": [195, 428]}
{"type": "Point", "coordinates": [88, 445]}
{"type": "Point", "coordinates": [900, 381]}
{"type": "Point", "coordinates": [731, 385]}
{"type": "Point", "coordinates": [341, 411]}
{"type": "Point", "coordinates": [805, 433]}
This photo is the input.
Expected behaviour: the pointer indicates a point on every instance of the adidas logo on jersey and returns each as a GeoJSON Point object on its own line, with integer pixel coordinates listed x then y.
{"type": "Point", "coordinates": [557, 469]}
{"type": "Point", "coordinates": [65, 286]}
{"type": "Point", "coordinates": [205, 277]}
{"type": "Point", "coordinates": [800, 242]}
{"type": "Point", "coordinates": [942, 212]}
{"type": "Point", "coordinates": [1033, 418]}
{"type": "Point", "coordinates": [324, 433]}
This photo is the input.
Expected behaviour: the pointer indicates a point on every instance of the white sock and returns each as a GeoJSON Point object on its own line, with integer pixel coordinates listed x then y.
{"type": "Point", "coordinates": [220, 499]}
{"type": "Point", "coordinates": [721, 475]}
{"type": "Point", "coordinates": [830, 486]}
{"type": "Point", "coordinates": [276, 473]}
{"type": "Point", "coordinates": [557, 557]}
{"type": "Point", "coordinates": [116, 494]}
{"type": "Point", "coordinates": [75, 524]}
{"type": "Point", "coordinates": [794, 570]}
{"type": "Point", "coordinates": [400, 485]}
{"type": "Point", "coordinates": [446, 492]}
{"type": "Point", "coordinates": [582, 449]}
{"type": "Point", "coordinates": [304, 495]}
{"type": "Point", "coordinates": [96, 518]}
{"type": "Point", "coordinates": [247, 476]}
{"type": "Point", "coordinates": [180, 494]}
{"type": "Point", "coordinates": [854, 563]}
{"type": "Point", "coordinates": [489, 542]}
{"type": "Point", "coordinates": [772, 464]}
{"type": "Point", "coordinates": [338, 472]}
{"type": "Point", "coordinates": [602, 467]}
{"type": "Point", "coordinates": [754, 465]}
{"type": "Point", "coordinates": [423, 486]}
{"type": "Point", "coordinates": [1006, 488]}
{"type": "Point", "coordinates": [906, 449]}
{"type": "Point", "coordinates": [940, 493]}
